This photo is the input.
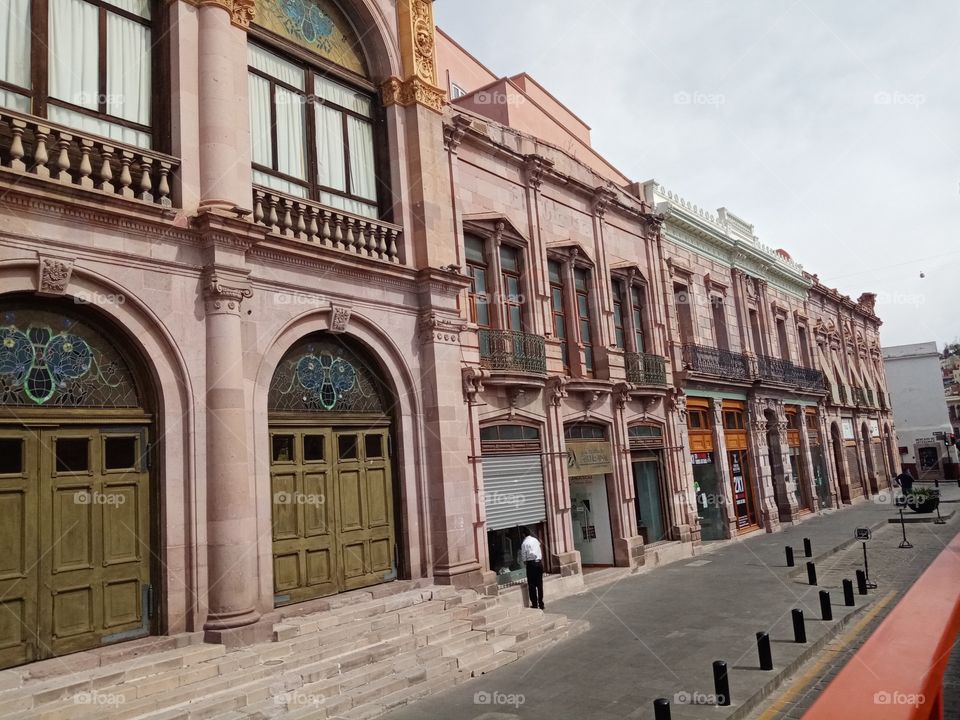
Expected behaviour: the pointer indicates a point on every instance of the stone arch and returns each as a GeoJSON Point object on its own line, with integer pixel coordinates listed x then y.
{"type": "Point", "coordinates": [414, 533]}
{"type": "Point", "coordinates": [836, 444]}
{"type": "Point", "coordinates": [167, 378]}
{"type": "Point", "coordinates": [374, 29]}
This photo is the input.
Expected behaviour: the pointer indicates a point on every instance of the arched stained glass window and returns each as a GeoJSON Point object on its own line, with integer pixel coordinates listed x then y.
{"type": "Point", "coordinates": [318, 26]}
{"type": "Point", "coordinates": [53, 360]}
{"type": "Point", "coordinates": [322, 374]}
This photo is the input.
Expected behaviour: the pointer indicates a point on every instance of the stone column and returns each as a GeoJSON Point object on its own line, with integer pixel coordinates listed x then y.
{"type": "Point", "coordinates": [686, 521]}
{"type": "Point", "coordinates": [223, 115]}
{"type": "Point", "coordinates": [627, 542]}
{"type": "Point", "coordinates": [723, 468]}
{"type": "Point", "coordinates": [557, 485]}
{"type": "Point", "coordinates": [232, 587]}
{"type": "Point", "coordinates": [806, 459]}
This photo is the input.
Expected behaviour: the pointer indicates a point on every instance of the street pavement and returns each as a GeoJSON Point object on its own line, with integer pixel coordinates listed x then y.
{"type": "Point", "coordinates": [657, 634]}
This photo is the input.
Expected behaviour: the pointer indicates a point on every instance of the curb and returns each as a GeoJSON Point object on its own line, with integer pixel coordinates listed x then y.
{"type": "Point", "coordinates": [817, 559]}
{"type": "Point", "coordinates": [788, 671]}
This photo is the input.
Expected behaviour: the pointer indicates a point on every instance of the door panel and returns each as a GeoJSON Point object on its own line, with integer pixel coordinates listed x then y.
{"type": "Point", "coordinates": [19, 579]}
{"type": "Point", "coordinates": [94, 528]}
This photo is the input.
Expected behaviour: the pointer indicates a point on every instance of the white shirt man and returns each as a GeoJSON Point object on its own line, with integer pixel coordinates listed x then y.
{"type": "Point", "coordinates": [531, 555]}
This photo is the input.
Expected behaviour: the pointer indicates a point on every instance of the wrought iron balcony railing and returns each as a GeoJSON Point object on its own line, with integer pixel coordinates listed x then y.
{"type": "Point", "coordinates": [644, 369]}
{"type": "Point", "coordinates": [870, 400]}
{"type": "Point", "coordinates": [307, 220]}
{"type": "Point", "coordinates": [859, 396]}
{"type": "Point", "coordinates": [783, 371]}
{"type": "Point", "coordinates": [62, 156]}
{"type": "Point", "coordinates": [842, 394]}
{"type": "Point", "coordinates": [713, 361]}
{"type": "Point", "coordinates": [512, 350]}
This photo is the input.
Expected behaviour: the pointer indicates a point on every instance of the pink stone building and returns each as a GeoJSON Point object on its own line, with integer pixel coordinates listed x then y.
{"type": "Point", "coordinates": [279, 320]}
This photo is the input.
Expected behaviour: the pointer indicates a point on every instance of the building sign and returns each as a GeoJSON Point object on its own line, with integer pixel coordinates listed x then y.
{"type": "Point", "coordinates": [703, 458]}
{"type": "Point", "coordinates": [588, 458]}
{"type": "Point", "coordinates": [862, 534]}
{"type": "Point", "coordinates": [875, 428]}
{"type": "Point", "coordinates": [848, 432]}
{"type": "Point", "coordinates": [739, 489]}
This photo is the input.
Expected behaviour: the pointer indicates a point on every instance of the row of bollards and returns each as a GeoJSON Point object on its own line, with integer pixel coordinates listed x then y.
{"type": "Point", "coordinates": [721, 680]}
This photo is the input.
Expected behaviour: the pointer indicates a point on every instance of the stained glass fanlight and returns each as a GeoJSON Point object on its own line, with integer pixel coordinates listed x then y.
{"type": "Point", "coordinates": [51, 359]}
{"type": "Point", "coordinates": [318, 26]}
{"type": "Point", "coordinates": [323, 374]}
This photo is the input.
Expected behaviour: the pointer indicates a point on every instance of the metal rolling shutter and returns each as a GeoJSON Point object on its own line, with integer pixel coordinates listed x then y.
{"type": "Point", "coordinates": [513, 490]}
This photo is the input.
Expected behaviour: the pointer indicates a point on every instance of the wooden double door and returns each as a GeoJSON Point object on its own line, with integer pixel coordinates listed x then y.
{"type": "Point", "coordinates": [74, 539]}
{"type": "Point", "coordinates": [333, 520]}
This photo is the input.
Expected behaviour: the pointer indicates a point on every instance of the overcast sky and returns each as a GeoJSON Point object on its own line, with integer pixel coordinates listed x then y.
{"type": "Point", "coordinates": [833, 127]}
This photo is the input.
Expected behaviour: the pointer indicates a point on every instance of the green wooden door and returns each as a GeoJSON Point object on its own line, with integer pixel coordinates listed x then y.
{"type": "Point", "coordinates": [74, 541]}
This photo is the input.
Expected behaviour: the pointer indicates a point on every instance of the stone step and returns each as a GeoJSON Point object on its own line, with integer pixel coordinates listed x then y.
{"type": "Point", "coordinates": [446, 630]}
{"type": "Point", "coordinates": [498, 660]}
{"type": "Point", "coordinates": [544, 640]}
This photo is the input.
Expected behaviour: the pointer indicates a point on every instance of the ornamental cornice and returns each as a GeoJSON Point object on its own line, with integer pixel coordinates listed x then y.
{"type": "Point", "coordinates": [241, 12]}
{"type": "Point", "coordinates": [440, 327]}
{"type": "Point", "coordinates": [413, 91]}
{"type": "Point", "coordinates": [223, 291]}
{"type": "Point", "coordinates": [363, 275]}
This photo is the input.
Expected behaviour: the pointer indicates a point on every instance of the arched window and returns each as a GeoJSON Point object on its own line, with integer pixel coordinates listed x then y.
{"type": "Point", "coordinates": [313, 113]}
{"type": "Point", "coordinates": [86, 64]}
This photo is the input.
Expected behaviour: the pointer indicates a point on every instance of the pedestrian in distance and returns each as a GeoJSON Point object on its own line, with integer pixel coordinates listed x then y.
{"type": "Point", "coordinates": [905, 481]}
{"type": "Point", "coordinates": [531, 555]}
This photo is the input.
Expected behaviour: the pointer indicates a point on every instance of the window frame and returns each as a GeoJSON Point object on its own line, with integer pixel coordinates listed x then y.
{"type": "Point", "coordinates": [589, 360]}
{"type": "Point", "coordinates": [632, 292]}
{"type": "Point", "coordinates": [507, 301]}
{"type": "Point", "coordinates": [311, 68]}
{"type": "Point", "coordinates": [472, 294]}
{"type": "Point", "coordinates": [39, 96]}
{"type": "Point", "coordinates": [559, 316]}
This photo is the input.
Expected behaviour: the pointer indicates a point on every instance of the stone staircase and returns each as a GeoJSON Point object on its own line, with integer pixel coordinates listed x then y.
{"type": "Point", "coordinates": [368, 653]}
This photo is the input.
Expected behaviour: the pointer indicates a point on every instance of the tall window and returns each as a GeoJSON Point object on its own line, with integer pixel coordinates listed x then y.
{"type": "Point", "coordinates": [755, 331]}
{"type": "Point", "coordinates": [311, 136]}
{"type": "Point", "coordinates": [782, 338]}
{"type": "Point", "coordinates": [636, 296]}
{"type": "Point", "coordinates": [86, 64]}
{"type": "Point", "coordinates": [554, 270]}
{"type": "Point", "coordinates": [720, 322]}
{"type": "Point", "coordinates": [804, 348]}
{"type": "Point", "coordinates": [682, 301]}
{"type": "Point", "coordinates": [581, 285]}
{"type": "Point", "coordinates": [479, 292]}
{"type": "Point", "coordinates": [619, 335]}
{"type": "Point", "coordinates": [512, 297]}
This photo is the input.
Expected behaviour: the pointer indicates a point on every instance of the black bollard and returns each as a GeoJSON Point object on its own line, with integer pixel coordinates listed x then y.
{"type": "Point", "coordinates": [811, 573]}
{"type": "Point", "coordinates": [721, 683]}
{"type": "Point", "coordinates": [661, 709]}
{"type": "Point", "coordinates": [826, 612]}
{"type": "Point", "coordinates": [799, 631]}
{"type": "Point", "coordinates": [861, 582]}
{"type": "Point", "coordinates": [763, 650]}
{"type": "Point", "coordinates": [848, 593]}
{"type": "Point", "coordinates": [789, 551]}
{"type": "Point", "coordinates": [807, 548]}
{"type": "Point", "coordinates": [904, 544]}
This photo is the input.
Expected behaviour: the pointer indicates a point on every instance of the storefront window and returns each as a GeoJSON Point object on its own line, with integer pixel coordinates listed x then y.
{"type": "Point", "coordinates": [709, 496]}
{"type": "Point", "coordinates": [504, 548]}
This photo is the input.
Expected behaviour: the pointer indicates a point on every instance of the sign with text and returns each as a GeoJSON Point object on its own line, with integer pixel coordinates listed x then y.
{"type": "Point", "coordinates": [862, 534]}
{"type": "Point", "coordinates": [588, 458]}
{"type": "Point", "coordinates": [848, 431]}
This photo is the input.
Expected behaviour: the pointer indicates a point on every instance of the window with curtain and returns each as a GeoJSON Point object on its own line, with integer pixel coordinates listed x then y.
{"type": "Point", "coordinates": [581, 283]}
{"type": "Point", "coordinates": [619, 335]}
{"type": "Point", "coordinates": [86, 64]}
{"type": "Point", "coordinates": [312, 136]}
{"type": "Point", "coordinates": [477, 270]}
{"type": "Point", "coordinates": [558, 311]}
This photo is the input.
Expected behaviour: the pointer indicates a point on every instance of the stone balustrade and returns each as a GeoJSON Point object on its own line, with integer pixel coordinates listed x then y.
{"type": "Point", "coordinates": [33, 146]}
{"type": "Point", "coordinates": [310, 221]}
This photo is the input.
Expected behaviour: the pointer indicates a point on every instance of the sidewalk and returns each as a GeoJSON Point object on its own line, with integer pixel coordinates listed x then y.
{"type": "Point", "coordinates": [656, 635]}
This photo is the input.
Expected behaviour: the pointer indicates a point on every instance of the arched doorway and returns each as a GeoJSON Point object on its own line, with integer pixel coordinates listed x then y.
{"type": "Point", "coordinates": [331, 471]}
{"type": "Point", "coordinates": [837, 446]}
{"type": "Point", "coordinates": [75, 490]}
{"type": "Point", "coordinates": [868, 454]}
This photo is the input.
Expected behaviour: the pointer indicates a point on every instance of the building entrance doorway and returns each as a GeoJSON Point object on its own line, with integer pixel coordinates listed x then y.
{"type": "Point", "coordinates": [331, 477]}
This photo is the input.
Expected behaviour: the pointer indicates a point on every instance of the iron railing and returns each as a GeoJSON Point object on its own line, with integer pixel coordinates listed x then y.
{"type": "Point", "coordinates": [783, 371]}
{"type": "Point", "coordinates": [713, 361]}
{"type": "Point", "coordinates": [842, 394]}
{"type": "Point", "coordinates": [512, 350]}
{"type": "Point", "coordinates": [859, 396]}
{"type": "Point", "coordinates": [644, 369]}
{"type": "Point", "coordinates": [870, 400]}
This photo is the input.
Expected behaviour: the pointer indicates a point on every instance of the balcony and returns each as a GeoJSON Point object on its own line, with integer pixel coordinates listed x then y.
{"type": "Point", "coordinates": [512, 351]}
{"type": "Point", "coordinates": [60, 156]}
{"type": "Point", "coordinates": [859, 396]}
{"type": "Point", "coordinates": [870, 400]}
{"type": "Point", "coordinates": [644, 369]}
{"type": "Point", "coordinates": [713, 361]}
{"type": "Point", "coordinates": [842, 394]}
{"type": "Point", "coordinates": [773, 369]}
{"type": "Point", "coordinates": [327, 227]}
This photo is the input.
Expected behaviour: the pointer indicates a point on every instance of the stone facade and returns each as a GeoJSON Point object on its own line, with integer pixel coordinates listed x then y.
{"type": "Point", "coordinates": [205, 281]}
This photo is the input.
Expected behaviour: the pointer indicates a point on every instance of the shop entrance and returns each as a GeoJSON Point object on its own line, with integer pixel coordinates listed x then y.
{"type": "Point", "coordinates": [710, 498]}
{"type": "Point", "coordinates": [738, 463]}
{"type": "Point", "coordinates": [331, 476]}
{"type": "Point", "coordinates": [589, 464]}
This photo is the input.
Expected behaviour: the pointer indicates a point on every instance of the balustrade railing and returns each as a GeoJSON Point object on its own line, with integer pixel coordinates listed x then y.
{"type": "Point", "coordinates": [512, 350]}
{"type": "Point", "coordinates": [842, 394]}
{"type": "Point", "coordinates": [859, 396]}
{"type": "Point", "coordinates": [870, 400]}
{"type": "Point", "coordinates": [34, 146]}
{"type": "Point", "coordinates": [713, 361]}
{"type": "Point", "coordinates": [644, 369]}
{"type": "Point", "coordinates": [783, 371]}
{"type": "Point", "coordinates": [307, 220]}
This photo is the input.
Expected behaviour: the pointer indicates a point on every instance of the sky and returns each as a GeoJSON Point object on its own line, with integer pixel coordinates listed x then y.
{"type": "Point", "coordinates": [832, 126]}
